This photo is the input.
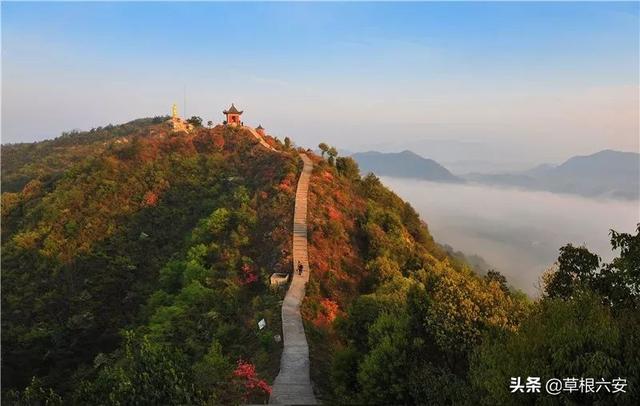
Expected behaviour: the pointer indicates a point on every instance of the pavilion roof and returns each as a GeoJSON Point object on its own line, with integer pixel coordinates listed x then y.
{"type": "Point", "coordinates": [232, 110]}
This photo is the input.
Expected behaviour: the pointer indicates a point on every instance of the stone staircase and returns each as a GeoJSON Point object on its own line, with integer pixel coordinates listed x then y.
{"type": "Point", "coordinates": [293, 383]}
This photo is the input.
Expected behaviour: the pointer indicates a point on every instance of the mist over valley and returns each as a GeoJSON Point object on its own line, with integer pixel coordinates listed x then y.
{"type": "Point", "coordinates": [518, 232]}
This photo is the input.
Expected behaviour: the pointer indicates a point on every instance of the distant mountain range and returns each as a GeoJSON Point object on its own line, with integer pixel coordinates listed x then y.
{"type": "Point", "coordinates": [405, 164]}
{"type": "Point", "coordinates": [606, 173]}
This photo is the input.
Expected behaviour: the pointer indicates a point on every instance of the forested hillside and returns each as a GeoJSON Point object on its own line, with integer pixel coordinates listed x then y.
{"type": "Point", "coordinates": [393, 319]}
{"type": "Point", "coordinates": [135, 265]}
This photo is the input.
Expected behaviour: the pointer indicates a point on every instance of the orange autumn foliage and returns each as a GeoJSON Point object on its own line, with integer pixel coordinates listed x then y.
{"type": "Point", "coordinates": [32, 189]}
{"type": "Point", "coordinates": [333, 213]}
{"type": "Point", "coordinates": [150, 199]}
{"type": "Point", "coordinates": [287, 184]}
{"type": "Point", "coordinates": [333, 206]}
{"type": "Point", "coordinates": [329, 310]}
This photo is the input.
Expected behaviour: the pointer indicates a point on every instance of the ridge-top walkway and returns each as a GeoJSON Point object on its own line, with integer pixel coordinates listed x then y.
{"type": "Point", "coordinates": [293, 383]}
{"type": "Point", "coordinates": [259, 138]}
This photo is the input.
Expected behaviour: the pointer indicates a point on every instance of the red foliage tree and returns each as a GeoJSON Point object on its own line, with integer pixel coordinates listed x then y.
{"type": "Point", "coordinates": [218, 141]}
{"type": "Point", "coordinates": [150, 199]}
{"type": "Point", "coordinates": [248, 275]}
{"type": "Point", "coordinates": [328, 312]}
{"type": "Point", "coordinates": [334, 214]}
{"type": "Point", "coordinates": [252, 385]}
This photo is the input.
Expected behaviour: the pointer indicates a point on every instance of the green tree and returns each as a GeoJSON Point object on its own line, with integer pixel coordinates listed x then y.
{"type": "Point", "coordinates": [383, 374]}
{"type": "Point", "coordinates": [213, 373]}
{"type": "Point", "coordinates": [195, 121]}
{"type": "Point", "coordinates": [333, 153]}
{"type": "Point", "coordinates": [623, 273]}
{"type": "Point", "coordinates": [576, 338]}
{"type": "Point", "coordinates": [617, 282]}
{"type": "Point", "coordinates": [34, 394]}
{"type": "Point", "coordinates": [495, 276]}
{"type": "Point", "coordinates": [383, 269]}
{"type": "Point", "coordinates": [344, 375]}
{"type": "Point", "coordinates": [323, 148]}
{"type": "Point", "coordinates": [348, 167]}
{"type": "Point", "coordinates": [147, 373]}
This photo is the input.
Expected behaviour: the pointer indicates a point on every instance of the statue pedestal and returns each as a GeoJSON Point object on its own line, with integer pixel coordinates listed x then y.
{"type": "Point", "coordinates": [180, 124]}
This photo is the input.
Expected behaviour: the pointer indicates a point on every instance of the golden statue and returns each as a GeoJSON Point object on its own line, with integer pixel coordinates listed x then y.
{"type": "Point", "coordinates": [174, 111]}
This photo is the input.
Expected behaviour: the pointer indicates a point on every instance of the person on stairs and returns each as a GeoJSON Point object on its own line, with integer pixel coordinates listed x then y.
{"type": "Point", "coordinates": [300, 268]}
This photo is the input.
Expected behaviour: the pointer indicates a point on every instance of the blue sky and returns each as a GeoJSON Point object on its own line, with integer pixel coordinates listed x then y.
{"type": "Point", "coordinates": [548, 79]}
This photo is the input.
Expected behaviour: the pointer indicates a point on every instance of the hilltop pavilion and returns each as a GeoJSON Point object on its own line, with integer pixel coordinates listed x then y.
{"type": "Point", "coordinates": [233, 115]}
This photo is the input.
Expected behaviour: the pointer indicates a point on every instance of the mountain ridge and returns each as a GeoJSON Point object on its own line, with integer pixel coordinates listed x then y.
{"type": "Point", "coordinates": [404, 164]}
{"type": "Point", "coordinates": [606, 173]}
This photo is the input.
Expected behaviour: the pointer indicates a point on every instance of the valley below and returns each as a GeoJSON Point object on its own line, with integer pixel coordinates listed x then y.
{"type": "Point", "coordinates": [518, 232]}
